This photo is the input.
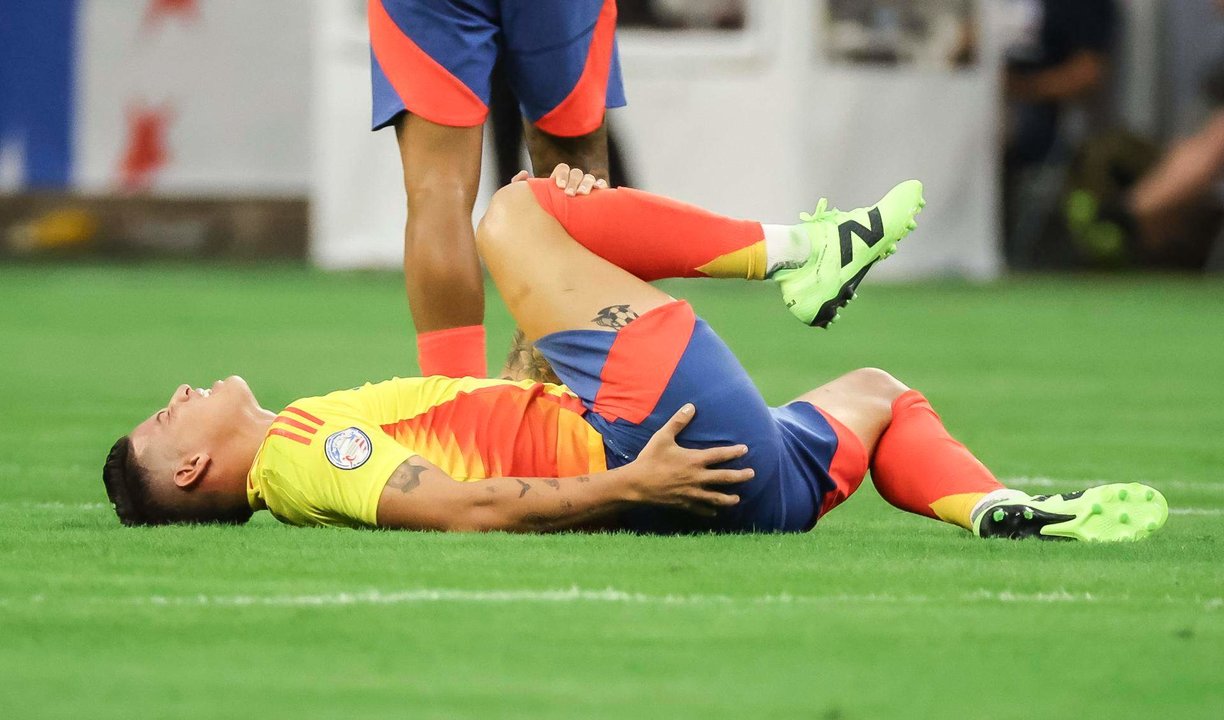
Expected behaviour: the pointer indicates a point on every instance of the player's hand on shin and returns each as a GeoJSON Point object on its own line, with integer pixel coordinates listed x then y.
{"type": "Point", "coordinates": [576, 182]}
{"type": "Point", "coordinates": [679, 477]}
{"type": "Point", "coordinates": [572, 180]}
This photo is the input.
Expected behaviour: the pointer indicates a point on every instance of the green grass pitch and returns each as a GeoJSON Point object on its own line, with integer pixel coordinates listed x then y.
{"type": "Point", "coordinates": [1056, 383]}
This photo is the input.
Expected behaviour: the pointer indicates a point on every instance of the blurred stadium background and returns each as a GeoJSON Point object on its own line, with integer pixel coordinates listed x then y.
{"type": "Point", "coordinates": [186, 190]}
{"type": "Point", "coordinates": [190, 128]}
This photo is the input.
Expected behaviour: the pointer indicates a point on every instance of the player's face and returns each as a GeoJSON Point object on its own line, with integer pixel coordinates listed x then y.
{"type": "Point", "coordinates": [194, 419]}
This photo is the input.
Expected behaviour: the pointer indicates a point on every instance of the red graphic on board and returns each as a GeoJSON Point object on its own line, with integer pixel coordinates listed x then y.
{"type": "Point", "coordinates": [159, 10]}
{"type": "Point", "coordinates": [147, 149]}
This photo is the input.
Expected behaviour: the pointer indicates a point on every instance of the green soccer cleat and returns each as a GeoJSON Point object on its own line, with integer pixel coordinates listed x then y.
{"type": "Point", "coordinates": [1107, 513]}
{"type": "Point", "coordinates": [844, 247]}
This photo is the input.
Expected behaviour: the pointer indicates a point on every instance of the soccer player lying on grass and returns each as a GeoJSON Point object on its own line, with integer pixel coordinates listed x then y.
{"type": "Point", "coordinates": [658, 428]}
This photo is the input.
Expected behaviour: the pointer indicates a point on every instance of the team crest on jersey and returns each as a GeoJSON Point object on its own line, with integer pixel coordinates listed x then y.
{"type": "Point", "coordinates": [348, 449]}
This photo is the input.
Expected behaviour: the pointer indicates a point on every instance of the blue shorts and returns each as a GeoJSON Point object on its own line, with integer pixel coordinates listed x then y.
{"type": "Point", "coordinates": [634, 380]}
{"type": "Point", "coordinates": [434, 58]}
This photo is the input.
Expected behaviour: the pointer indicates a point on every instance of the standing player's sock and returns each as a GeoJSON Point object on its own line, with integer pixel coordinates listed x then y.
{"type": "Point", "coordinates": [920, 468]}
{"type": "Point", "coordinates": [654, 237]}
{"type": "Point", "coordinates": [454, 352]}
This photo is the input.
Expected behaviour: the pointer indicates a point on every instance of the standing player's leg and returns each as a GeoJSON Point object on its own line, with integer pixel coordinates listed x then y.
{"type": "Point", "coordinates": [917, 466]}
{"type": "Point", "coordinates": [442, 271]}
{"type": "Point", "coordinates": [431, 63]}
{"type": "Point", "coordinates": [589, 151]}
{"type": "Point", "coordinates": [562, 60]}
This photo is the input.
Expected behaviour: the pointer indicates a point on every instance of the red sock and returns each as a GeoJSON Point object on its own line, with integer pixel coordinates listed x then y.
{"type": "Point", "coordinates": [654, 237]}
{"type": "Point", "coordinates": [455, 352]}
{"type": "Point", "coordinates": [920, 468]}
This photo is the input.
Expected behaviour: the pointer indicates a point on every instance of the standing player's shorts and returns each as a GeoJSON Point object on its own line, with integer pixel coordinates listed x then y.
{"type": "Point", "coordinates": [634, 380]}
{"type": "Point", "coordinates": [435, 58]}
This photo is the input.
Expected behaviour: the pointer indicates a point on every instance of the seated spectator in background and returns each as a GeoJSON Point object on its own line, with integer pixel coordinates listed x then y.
{"type": "Point", "coordinates": [1131, 205]}
{"type": "Point", "coordinates": [1057, 56]}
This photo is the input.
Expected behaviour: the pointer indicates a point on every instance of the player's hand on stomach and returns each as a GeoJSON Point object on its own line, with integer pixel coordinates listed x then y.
{"type": "Point", "coordinates": [679, 477]}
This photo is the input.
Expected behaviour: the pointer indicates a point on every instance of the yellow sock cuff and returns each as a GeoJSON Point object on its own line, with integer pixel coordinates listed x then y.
{"type": "Point", "coordinates": [746, 263]}
{"type": "Point", "coordinates": [955, 509]}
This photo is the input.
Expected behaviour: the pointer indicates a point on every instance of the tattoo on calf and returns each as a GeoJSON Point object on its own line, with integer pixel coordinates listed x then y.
{"type": "Point", "coordinates": [525, 486]}
{"type": "Point", "coordinates": [407, 477]}
{"type": "Point", "coordinates": [615, 317]}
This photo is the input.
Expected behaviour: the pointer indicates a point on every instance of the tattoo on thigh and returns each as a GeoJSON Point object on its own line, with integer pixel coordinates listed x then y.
{"type": "Point", "coordinates": [615, 317]}
{"type": "Point", "coordinates": [406, 478]}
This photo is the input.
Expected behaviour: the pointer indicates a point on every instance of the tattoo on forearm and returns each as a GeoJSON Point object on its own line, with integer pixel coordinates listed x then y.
{"type": "Point", "coordinates": [554, 484]}
{"type": "Point", "coordinates": [525, 487]}
{"type": "Point", "coordinates": [566, 505]}
{"type": "Point", "coordinates": [615, 317]}
{"type": "Point", "coordinates": [407, 477]}
{"type": "Point", "coordinates": [583, 479]}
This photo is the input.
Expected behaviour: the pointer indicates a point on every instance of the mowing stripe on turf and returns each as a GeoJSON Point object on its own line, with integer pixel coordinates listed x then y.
{"type": "Point", "coordinates": [576, 595]}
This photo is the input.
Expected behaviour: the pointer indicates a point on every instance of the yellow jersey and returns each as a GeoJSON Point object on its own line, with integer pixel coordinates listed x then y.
{"type": "Point", "coordinates": [326, 460]}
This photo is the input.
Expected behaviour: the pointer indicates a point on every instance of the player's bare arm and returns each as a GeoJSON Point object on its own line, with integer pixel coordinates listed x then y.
{"type": "Point", "coordinates": [420, 496]}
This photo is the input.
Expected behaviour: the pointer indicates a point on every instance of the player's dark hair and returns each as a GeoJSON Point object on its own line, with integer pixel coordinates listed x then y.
{"type": "Point", "coordinates": [127, 486]}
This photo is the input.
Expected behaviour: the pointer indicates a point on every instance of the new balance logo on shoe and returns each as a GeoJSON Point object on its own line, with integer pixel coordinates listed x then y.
{"type": "Point", "coordinates": [871, 235]}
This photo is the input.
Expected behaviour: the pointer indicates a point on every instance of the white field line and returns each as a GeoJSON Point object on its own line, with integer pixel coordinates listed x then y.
{"type": "Point", "coordinates": [1069, 485]}
{"type": "Point", "coordinates": [62, 506]}
{"type": "Point", "coordinates": [576, 595]}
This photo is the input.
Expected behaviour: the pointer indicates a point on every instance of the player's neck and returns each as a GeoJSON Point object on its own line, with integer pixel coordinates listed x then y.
{"type": "Point", "coordinates": [234, 452]}
{"type": "Point", "coordinates": [250, 434]}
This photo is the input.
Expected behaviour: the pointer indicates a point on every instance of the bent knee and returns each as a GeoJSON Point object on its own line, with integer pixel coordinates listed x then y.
{"type": "Point", "coordinates": [507, 204]}
{"type": "Point", "coordinates": [876, 384]}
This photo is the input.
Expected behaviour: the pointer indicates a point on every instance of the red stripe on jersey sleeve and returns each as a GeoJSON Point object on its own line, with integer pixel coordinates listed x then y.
{"type": "Point", "coordinates": [292, 436]}
{"type": "Point", "coordinates": [304, 414]}
{"type": "Point", "coordinates": [296, 424]}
